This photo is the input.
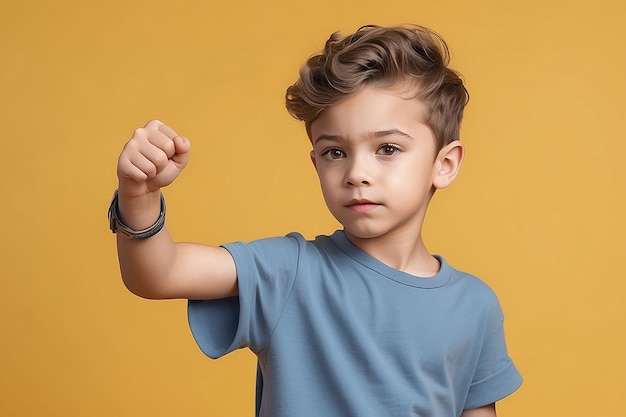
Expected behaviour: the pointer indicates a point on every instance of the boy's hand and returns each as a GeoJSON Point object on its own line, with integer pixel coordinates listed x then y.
{"type": "Point", "coordinates": [151, 159]}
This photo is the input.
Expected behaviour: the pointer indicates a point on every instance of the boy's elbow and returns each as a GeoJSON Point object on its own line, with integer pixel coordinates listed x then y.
{"type": "Point", "coordinates": [143, 290]}
{"type": "Point", "coordinates": [147, 294]}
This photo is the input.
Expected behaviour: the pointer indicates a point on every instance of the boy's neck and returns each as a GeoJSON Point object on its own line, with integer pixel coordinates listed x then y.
{"type": "Point", "coordinates": [405, 253]}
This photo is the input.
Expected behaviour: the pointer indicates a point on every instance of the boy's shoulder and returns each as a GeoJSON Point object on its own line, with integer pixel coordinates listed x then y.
{"type": "Point", "coordinates": [336, 245]}
{"type": "Point", "coordinates": [337, 249]}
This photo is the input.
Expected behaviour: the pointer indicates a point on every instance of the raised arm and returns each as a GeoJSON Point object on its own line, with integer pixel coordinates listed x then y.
{"type": "Point", "coordinates": [157, 267]}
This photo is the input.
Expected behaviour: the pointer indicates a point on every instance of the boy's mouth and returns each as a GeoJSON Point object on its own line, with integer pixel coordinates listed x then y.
{"type": "Point", "coordinates": [361, 205]}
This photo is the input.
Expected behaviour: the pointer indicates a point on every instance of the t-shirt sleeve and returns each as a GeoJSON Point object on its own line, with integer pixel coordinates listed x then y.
{"type": "Point", "coordinates": [495, 376]}
{"type": "Point", "coordinates": [266, 271]}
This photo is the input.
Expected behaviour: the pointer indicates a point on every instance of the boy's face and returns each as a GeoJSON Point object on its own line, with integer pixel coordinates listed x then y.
{"type": "Point", "coordinates": [376, 163]}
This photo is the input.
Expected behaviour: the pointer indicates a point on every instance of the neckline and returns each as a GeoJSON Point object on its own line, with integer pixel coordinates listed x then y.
{"type": "Point", "coordinates": [440, 279]}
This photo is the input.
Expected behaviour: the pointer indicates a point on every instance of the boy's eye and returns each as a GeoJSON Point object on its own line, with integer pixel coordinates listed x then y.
{"type": "Point", "coordinates": [388, 150]}
{"type": "Point", "coordinates": [334, 154]}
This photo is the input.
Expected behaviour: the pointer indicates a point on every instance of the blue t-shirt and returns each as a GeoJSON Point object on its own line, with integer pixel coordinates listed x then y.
{"type": "Point", "coordinates": [339, 333]}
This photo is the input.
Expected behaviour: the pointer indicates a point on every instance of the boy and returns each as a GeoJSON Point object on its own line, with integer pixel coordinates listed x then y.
{"type": "Point", "coordinates": [364, 322]}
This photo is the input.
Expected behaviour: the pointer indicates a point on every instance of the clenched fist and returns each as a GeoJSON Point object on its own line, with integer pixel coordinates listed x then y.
{"type": "Point", "coordinates": [151, 159]}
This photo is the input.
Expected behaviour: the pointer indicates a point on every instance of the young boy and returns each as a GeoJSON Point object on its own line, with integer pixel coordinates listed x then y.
{"type": "Point", "coordinates": [364, 322]}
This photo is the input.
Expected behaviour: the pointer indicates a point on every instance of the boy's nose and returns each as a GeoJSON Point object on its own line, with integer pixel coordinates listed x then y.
{"type": "Point", "coordinates": [358, 174]}
{"type": "Point", "coordinates": [357, 183]}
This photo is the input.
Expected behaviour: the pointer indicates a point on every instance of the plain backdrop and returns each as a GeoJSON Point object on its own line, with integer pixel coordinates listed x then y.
{"type": "Point", "coordinates": [537, 212]}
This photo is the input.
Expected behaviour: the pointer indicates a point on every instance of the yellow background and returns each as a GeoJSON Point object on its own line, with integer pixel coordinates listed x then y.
{"type": "Point", "coordinates": [538, 211]}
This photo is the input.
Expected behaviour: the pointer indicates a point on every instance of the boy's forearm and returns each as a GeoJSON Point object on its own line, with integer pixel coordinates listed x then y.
{"type": "Point", "coordinates": [144, 263]}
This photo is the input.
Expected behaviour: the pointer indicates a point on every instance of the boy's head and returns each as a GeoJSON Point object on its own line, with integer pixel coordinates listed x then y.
{"type": "Point", "coordinates": [411, 56]}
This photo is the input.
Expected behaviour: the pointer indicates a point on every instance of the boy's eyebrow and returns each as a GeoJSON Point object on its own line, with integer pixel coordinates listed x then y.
{"type": "Point", "coordinates": [373, 135]}
{"type": "Point", "coordinates": [391, 132]}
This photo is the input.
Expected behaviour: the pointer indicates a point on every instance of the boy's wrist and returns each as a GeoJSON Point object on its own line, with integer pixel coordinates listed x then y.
{"type": "Point", "coordinates": [142, 225]}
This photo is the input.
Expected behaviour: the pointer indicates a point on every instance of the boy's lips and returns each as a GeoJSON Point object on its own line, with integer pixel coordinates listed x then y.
{"type": "Point", "coordinates": [361, 205]}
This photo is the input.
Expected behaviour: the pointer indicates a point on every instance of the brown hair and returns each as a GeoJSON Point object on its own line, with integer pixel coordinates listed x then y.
{"type": "Point", "coordinates": [385, 57]}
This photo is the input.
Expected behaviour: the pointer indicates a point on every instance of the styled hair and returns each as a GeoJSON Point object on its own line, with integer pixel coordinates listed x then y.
{"type": "Point", "coordinates": [383, 57]}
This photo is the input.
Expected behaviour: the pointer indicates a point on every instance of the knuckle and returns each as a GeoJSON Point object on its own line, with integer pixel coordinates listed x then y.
{"type": "Point", "coordinates": [154, 123]}
{"type": "Point", "coordinates": [160, 159]}
{"type": "Point", "coordinates": [169, 148]}
{"type": "Point", "coordinates": [139, 132]}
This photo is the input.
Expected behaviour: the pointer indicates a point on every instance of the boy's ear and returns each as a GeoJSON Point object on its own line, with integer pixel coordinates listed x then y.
{"type": "Point", "coordinates": [447, 164]}
{"type": "Point", "coordinates": [312, 154]}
